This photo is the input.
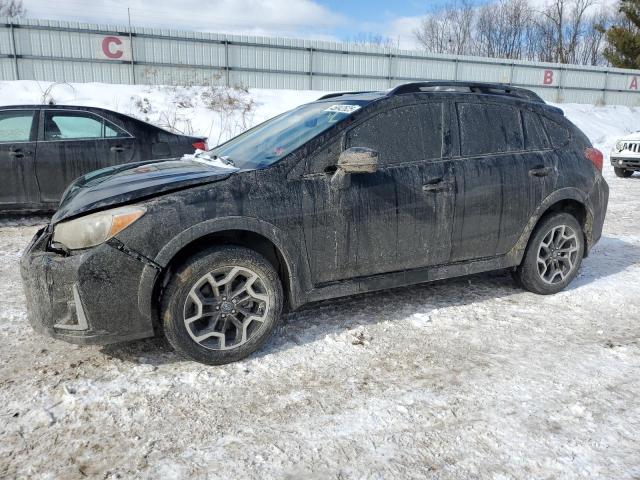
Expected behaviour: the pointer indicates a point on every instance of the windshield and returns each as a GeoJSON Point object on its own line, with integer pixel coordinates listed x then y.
{"type": "Point", "coordinates": [272, 140]}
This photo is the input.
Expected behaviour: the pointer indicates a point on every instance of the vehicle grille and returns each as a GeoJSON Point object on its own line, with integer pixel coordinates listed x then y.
{"type": "Point", "coordinates": [631, 147]}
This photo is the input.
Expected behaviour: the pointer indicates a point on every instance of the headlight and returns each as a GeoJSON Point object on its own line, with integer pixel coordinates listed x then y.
{"type": "Point", "coordinates": [619, 146]}
{"type": "Point", "coordinates": [96, 228]}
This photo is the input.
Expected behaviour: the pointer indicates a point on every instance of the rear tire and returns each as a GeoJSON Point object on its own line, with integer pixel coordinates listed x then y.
{"type": "Point", "coordinates": [221, 305]}
{"type": "Point", "coordinates": [622, 173]}
{"type": "Point", "coordinates": [553, 255]}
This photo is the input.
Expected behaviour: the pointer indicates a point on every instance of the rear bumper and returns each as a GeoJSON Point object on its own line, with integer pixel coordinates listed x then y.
{"type": "Point", "coordinates": [84, 298]}
{"type": "Point", "coordinates": [598, 201]}
{"type": "Point", "coordinates": [628, 163]}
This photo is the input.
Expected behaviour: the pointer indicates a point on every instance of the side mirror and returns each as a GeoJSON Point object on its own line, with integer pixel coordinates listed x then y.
{"type": "Point", "coordinates": [358, 160]}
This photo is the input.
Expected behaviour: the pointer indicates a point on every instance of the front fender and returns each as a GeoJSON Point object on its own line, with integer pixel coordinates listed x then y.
{"type": "Point", "coordinates": [293, 256]}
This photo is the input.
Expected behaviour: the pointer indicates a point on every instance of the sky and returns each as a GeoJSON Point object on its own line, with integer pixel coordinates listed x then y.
{"type": "Point", "coordinates": [339, 20]}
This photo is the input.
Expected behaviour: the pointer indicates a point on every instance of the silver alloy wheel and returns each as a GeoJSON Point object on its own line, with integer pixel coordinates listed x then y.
{"type": "Point", "coordinates": [226, 308]}
{"type": "Point", "coordinates": [557, 254]}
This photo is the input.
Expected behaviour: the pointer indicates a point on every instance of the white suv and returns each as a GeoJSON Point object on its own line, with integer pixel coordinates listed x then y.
{"type": "Point", "coordinates": [625, 156]}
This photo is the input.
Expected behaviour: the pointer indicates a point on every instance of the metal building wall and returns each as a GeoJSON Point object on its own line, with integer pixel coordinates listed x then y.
{"type": "Point", "coordinates": [73, 52]}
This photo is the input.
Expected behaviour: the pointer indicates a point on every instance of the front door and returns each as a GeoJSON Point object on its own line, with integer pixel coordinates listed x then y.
{"type": "Point", "coordinates": [395, 219]}
{"type": "Point", "coordinates": [18, 185]}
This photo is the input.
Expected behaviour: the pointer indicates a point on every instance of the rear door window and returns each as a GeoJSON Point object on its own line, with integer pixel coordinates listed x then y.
{"type": "Point", "coordinates": [489, 128]}
{"type": "Point", "coordinates": [113, 131]}
{"type": "Point", "coordinates": [61, 125]}
{"type": "Point", "coordinates": [15, 125]}
{"type": "Point", "coordinates": [402, 135]}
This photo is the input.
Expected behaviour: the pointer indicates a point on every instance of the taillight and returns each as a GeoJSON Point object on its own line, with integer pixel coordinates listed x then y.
{"type": "Point", "coordinates": [201, 145]}
{"type": "Point", "coordinates": [594, 156]}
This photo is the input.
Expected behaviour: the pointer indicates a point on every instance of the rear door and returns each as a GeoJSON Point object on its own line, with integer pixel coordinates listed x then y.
{"type": "Point", "coordinates": [117, 146]}
{"type": "Point", "coordinates": [73, 143]}
{"type": "Point", "coordinates": [502, 175]}
{"type": "Point", "coordinates": [18, 185]}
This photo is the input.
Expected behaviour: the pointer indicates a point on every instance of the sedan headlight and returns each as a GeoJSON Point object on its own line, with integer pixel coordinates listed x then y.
{"type": "Point", "coordinates": [96, 228]}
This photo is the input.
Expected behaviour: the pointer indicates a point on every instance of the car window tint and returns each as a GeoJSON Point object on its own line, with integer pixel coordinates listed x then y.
{"type": "Point", "coordinates": [401, 135]}
{"type": "Point", "coordinates": [432, 123]}
{"type": "Point", "coordinates": [15, 126]}
{"type": "Point", "coordinates": [72, 125]}
{"type": "Point", "coordinates": [486, 128]}
{"type": "Point", "coordinates": [113, 131]}
{"type": "Point", "coordinates": [558, 134]}
{"type": "Point", "coordinates": [534, 136]}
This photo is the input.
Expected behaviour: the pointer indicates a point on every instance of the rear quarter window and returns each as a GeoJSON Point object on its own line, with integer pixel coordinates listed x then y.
{"type": "Point", "coordinates": [535, 137]}
{"type": "Point", "coordinates": [558, 134]}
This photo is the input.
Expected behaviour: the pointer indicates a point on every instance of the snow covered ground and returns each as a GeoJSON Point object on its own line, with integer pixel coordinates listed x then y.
{"type": "Point", "coordinates": [469, 378]}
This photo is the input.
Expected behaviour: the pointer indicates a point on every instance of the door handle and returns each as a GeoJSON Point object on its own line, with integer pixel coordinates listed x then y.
{"type": "Point", "coordinates": [118, 148]}
{"type": "Point", "coordinates": [437, 185]}
{"type": "Point", "coordinates": [17, 153]}
{"type": "Point", "coordinates": [540, 171]}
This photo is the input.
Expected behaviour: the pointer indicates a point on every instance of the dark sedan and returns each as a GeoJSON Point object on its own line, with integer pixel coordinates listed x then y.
{"type": "Point", "coordinates": [43, 148]}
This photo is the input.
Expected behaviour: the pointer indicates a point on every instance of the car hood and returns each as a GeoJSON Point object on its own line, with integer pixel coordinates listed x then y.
{"type": "Point", "coordinates": [122, 184]}
{"type": "Point", "coordinates": [632, 136]}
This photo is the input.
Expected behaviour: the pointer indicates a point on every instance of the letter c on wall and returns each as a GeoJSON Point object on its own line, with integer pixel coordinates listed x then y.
{"type": "Point", "coordinates": [110, 51]}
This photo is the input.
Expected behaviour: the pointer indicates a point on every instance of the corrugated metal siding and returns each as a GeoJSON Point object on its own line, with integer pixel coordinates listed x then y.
{"type": "Point", "coordinates": [68, 51]}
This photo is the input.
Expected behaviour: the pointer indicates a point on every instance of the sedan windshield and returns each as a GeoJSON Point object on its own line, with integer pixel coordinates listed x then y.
{"type": "Point", "coordinates": [274, 139]}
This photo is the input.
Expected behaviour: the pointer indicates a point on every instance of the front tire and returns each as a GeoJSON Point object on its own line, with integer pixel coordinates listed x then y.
{"type": "Point", "coordinates": [222, 305]}
{"type": "Point", "coordinates": [622, 173]}
{"type": "Point", "coordinates": [553, 256]}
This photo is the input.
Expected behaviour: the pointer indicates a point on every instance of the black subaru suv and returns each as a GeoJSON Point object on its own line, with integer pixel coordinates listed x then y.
{"type": "Point", "coordinates": [352, 193]}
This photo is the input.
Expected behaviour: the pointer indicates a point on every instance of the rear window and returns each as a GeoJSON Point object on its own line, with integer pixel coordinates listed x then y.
{"type": "Point", "coordinates": [558, 134]}
{"type": "Point", "coordinates": [488, 128]}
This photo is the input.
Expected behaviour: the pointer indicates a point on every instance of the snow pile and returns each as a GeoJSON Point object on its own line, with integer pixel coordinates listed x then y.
{"type": "Point", "coordinates": [203, 157]}
{"type": "Point", "coordinates": [184, 110]}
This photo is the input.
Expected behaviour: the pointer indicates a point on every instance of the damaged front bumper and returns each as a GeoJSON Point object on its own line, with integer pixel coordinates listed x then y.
{"type": "Point", "coordinates": [87, 297]}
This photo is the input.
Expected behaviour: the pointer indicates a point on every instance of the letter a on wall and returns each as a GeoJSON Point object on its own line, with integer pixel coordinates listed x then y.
{"type": "Point", "coordinates": [115, 48]}
{"type": "Point", "coordinates": [634, 83]}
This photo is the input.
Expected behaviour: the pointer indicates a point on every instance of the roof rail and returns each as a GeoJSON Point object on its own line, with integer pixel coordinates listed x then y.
{"type": "Point", "coordinates": [338, 94]}
{"type": "Point", "coordinates": [473, 87]}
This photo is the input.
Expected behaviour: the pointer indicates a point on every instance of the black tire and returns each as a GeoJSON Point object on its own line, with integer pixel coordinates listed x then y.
{"type": "Point", "coordinates": [178, 302]}
{"type": "Point", "coordinates": [528, 274]}
{"type": "Point", "coordinates": [622, 173]}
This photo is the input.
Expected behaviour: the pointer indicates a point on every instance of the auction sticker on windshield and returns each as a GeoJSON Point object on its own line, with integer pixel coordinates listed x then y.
{"type": "Point", "coordinates": [343, 108]}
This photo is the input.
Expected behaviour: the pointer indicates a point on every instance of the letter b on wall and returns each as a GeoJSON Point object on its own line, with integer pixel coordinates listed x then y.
{"type": "Point", "coordinates": [114, 48]}
{"type": "Point", "coordinates": [547, 78]}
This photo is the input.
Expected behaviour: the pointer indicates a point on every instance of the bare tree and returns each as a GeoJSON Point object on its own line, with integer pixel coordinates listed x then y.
{"type": "Point", "coordinates": [373, 39]}
{"type": "Point", "coordinates": [449, 30]}
{"type": "Point", "coordinates": [503, 28]}
{"type": "Point", "coordinates": [565, 31]}
{"type": "Point", "coordinates": [590, 51]}
{"type": "Point", "coordinates": [12, 8]}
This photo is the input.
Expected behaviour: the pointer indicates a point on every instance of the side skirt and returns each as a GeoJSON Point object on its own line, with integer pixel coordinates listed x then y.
{"type": "Point", "coordinates": [408, 277]}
